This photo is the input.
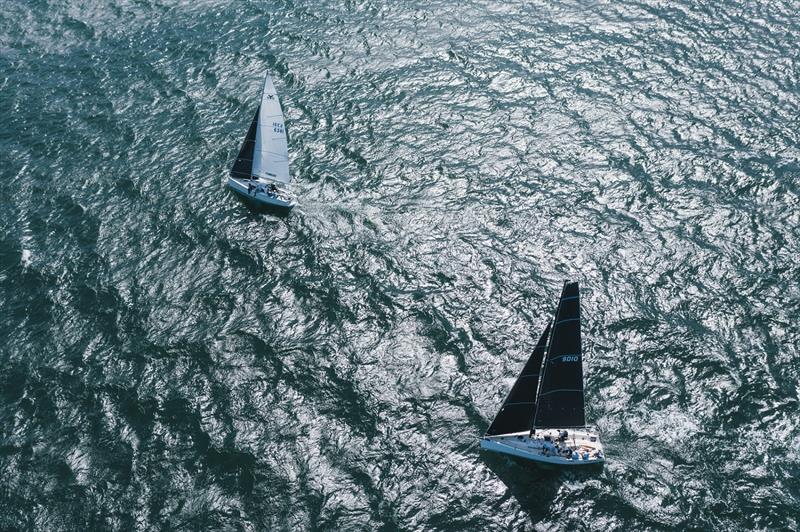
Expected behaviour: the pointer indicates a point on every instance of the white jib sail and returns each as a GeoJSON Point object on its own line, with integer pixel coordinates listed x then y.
{"type": "Point", "coordinates": [271, 153]}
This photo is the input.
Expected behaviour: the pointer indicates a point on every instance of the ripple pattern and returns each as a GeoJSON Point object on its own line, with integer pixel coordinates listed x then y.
{"type": "Point", "coordinates": [171, 359]}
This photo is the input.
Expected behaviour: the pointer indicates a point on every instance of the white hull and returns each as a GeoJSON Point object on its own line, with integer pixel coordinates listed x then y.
{"type": "Point", "coordinates": [584, 446]}
{"type": "Point", "coordinates": [256, 191]}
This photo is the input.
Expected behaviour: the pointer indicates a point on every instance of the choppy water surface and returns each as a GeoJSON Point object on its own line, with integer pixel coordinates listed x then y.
{"type": "Point", "coordinates": [173, 359]}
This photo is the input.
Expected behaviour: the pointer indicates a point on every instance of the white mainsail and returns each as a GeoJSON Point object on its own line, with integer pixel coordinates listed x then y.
{"type": "Point", "coordinates": [271, 153]}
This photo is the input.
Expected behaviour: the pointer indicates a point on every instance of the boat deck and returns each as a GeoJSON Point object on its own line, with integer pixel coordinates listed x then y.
{"type": "Point", "coordinates": [257, 191]}
{"type": "Point", "coordinates": [580, 447]}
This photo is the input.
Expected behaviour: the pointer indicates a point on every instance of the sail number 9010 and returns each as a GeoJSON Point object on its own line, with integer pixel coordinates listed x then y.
{"type": "Point", "coordinates": [570, 358]}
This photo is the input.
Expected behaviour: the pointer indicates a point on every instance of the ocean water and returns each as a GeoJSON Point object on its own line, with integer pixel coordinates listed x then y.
{"type": "Point", "coordinates": [171, 359]}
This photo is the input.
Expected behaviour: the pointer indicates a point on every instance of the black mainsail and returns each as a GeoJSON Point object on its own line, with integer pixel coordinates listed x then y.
{"type": "Point", "coordinates": [560, 402]}
{"type": "Point", "coordinates": [243, 166]}
{"type": "Point", "coordinates": [516, 414]}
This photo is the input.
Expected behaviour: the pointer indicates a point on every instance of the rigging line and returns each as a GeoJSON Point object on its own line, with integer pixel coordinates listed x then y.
{"type": "Point", "coordinates": [559, 390]}
{"type": "Point", "coordinates": [568, 319]}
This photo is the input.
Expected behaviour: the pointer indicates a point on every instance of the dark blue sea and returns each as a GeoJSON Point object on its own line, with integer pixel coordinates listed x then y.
{"type": "Point", "coordinates": [172, 359]}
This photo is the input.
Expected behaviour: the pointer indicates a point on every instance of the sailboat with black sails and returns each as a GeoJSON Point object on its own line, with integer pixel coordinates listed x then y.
{"type": "Point", "coordinates": [261, 170]}
{"type": "Point", "coordinates": [543, 418]}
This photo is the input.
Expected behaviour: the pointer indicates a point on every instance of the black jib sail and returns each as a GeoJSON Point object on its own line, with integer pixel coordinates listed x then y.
{"type": "Point", "coordinates": [560, 400]}
{"type": "Point", "coordinates": [516, 414]}
{"type": "Point", "coordinates": [243, 167]}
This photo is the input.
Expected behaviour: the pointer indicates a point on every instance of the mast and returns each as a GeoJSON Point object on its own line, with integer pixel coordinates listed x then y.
{"type": "Point", "coordinates": [516, 414]}
{"type": "Point", "coordinates": [560, 401]}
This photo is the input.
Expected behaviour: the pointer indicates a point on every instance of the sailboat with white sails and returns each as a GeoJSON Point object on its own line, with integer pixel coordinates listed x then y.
{"type": "Point", "coordinates": [261, 170]}
{"type": "Point", "coordinates": [543, 418]}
